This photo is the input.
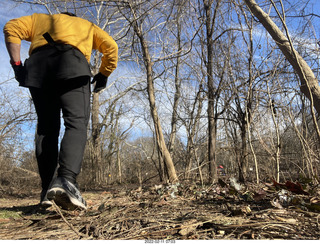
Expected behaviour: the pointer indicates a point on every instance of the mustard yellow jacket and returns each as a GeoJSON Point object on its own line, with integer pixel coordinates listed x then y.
{"type": "Point", "coordinates": [66, 29]}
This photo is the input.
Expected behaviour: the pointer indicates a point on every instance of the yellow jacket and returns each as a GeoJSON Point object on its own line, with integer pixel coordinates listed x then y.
{"type": "Point", "coordinates": [66, 29]}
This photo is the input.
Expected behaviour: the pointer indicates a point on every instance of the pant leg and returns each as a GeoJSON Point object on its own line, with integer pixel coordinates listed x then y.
{"type": "Point", "coordinates": [75, 104]}
{"type": "Point", "coordinates": [46, 141]}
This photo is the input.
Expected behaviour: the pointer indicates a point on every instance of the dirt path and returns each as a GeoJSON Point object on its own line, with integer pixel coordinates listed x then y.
{"type": "Point", "coordinates": [163, 213]}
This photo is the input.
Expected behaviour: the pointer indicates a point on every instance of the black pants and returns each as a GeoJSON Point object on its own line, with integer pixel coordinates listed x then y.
{"type": "Point", "coordinates": [72, 97]}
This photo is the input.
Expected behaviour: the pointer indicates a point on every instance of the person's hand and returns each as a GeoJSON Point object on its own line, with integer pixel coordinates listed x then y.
{"type": "Point", "coordinates": [19, 72]}
{"type": "Point", "coordinates": [101, 82]}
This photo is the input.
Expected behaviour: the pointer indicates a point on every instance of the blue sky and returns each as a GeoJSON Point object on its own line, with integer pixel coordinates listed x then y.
{"type": "Point", "coordinates": [9, 10]}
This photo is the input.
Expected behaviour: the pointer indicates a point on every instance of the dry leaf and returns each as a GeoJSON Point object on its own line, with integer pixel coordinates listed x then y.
{"type": "Point", "coordinates": [276, 204]}
{"type": "Point", "coordinates": [188, 227]}
{"type": "Point", "coordinates": [221, 233]}
{"type": "Point", "coordinates": [101, 208]}
{"type": "Point", "coordinates": [259, 195]}
{"type": "Point", "coordinates": [290, 186]}
{"type": "Point", "coordinates": [237, 186]}
{"type": "Point", "coordinates": [296, 188]}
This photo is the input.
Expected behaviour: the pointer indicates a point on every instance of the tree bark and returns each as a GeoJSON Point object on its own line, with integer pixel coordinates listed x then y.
{"type": "Point", "coordinates": [177, 82]}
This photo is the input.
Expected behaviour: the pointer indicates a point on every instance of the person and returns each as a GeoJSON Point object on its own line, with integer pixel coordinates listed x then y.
{"type": "Point", "coordinates": [57, 74]}
{"type": "Point", "coordinates": [221, 170]}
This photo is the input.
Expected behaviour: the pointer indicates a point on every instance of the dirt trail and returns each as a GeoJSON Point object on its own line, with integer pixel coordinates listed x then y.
{"type": "Point", "coordinates": [166, 212]}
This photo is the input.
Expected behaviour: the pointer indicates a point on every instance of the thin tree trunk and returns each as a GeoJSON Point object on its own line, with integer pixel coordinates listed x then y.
{"type": "Point", "coordinates": [212, 126]}
{"type": "Point", "coordinates": [176, 95]}
{"type": "Point", "coordinates": [192, 130]}
{"type": "Point", "coordinates": [119, 166]}
{"type": "Point", "coordinates": [163, 150]}
{"type": "Point", "coordinates": [243, 171]}
{"type": "Point", "coordinates": [276, 125]}
{"type": "Point", "coordinates": [96, 138]}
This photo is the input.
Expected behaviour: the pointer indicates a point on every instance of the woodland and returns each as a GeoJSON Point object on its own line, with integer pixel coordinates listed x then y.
{"type": "Point", "coordinates": [208, 128]}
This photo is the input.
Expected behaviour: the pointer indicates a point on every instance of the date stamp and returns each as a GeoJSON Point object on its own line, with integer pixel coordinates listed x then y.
{"type": "Point", "coordinates": [159, 241]}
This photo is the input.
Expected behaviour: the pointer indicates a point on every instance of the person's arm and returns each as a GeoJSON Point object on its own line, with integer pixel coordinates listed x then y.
{"type": "Point", "coordinates": [109, 49]}
{"type": "Point", "coordinates": [14, 52]}
{"type": "Point", "coordinates": [14, 31]}
{"type": "Point", "coordinates": [105, 44]}
{"type": "Point", "coordinates": [15, 61]}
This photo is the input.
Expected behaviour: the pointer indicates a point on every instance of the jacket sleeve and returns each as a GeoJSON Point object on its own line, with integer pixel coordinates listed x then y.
{"type": "Point", "coordinates": [105, 44]}
{"type": "Point", "coordinates": [18, 29]}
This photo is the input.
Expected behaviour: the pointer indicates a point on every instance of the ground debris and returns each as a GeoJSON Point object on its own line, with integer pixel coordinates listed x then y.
{"type": "Point", "coordinates": [180, 211]}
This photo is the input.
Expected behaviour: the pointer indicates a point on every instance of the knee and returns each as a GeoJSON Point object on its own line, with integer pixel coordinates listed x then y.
{"type": "Point", "coordinates": [80, 124]}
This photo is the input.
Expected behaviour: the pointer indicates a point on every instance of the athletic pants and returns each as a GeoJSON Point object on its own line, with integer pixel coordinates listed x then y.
{"type": "Point", "coordinates": [72, 97]}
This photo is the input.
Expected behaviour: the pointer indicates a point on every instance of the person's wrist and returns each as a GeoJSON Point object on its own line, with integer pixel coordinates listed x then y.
{"type": "Point", "coordinates": [15, 63]}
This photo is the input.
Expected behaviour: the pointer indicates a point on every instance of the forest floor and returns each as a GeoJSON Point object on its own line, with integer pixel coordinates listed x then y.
{"type": "Point", "coordinates": [185, 211]}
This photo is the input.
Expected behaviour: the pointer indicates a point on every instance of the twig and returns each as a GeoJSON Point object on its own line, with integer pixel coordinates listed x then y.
{"type": "Point", "coordinates": [277, 225]}
{"type": "Point", "coordinates": [66, 221]}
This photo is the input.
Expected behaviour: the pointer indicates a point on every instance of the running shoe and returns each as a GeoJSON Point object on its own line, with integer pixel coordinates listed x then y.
{"type": "Point", "coordinates": [66, 195]}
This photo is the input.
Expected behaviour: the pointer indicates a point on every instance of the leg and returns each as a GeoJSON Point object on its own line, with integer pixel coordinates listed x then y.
{"type": "Point", "coordinates": [48, 112]}
{"type": "Point", "coordinates": [75, 104]}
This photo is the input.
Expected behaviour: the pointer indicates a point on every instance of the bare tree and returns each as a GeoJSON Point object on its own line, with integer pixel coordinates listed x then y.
{"type": "Point", "coordinates": [177, 32]}
{"type": "Point", "coordinates": [138, 12]}
{"type": "Point", "coordinates": [309, 83]}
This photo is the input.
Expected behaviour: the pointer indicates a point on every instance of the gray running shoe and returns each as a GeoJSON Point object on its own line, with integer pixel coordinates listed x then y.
{"type": "Point", "coordinates": [66, 195]}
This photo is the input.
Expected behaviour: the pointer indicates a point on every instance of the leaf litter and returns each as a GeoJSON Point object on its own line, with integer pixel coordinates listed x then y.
{"type": "Point", "coordinates": [227, 210]}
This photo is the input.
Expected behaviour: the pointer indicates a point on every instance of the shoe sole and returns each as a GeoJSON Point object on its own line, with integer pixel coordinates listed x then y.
{"type": "Point", "coordinates": [45, 204]}
{"type": "Point", "coordinates": [64, 200]}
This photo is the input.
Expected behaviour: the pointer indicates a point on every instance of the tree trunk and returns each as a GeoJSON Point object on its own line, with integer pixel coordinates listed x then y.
{"type": "Point", "coordinates": [163, 150]}
{"type": "Point", "coordinates": [243, 171]}
{"type": "Point", "coordinates": [309, 83]}
{"type": "Point", "coordinates": [177, 82]}
{"type": "Point", "coordinates": [192, 130]}
{"type": "Point", "coordinates": [176, 98]}
{"type": "Point", "coordinates": [212, 126]}
{"type": "Point", "coordinates": [96, 139]}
